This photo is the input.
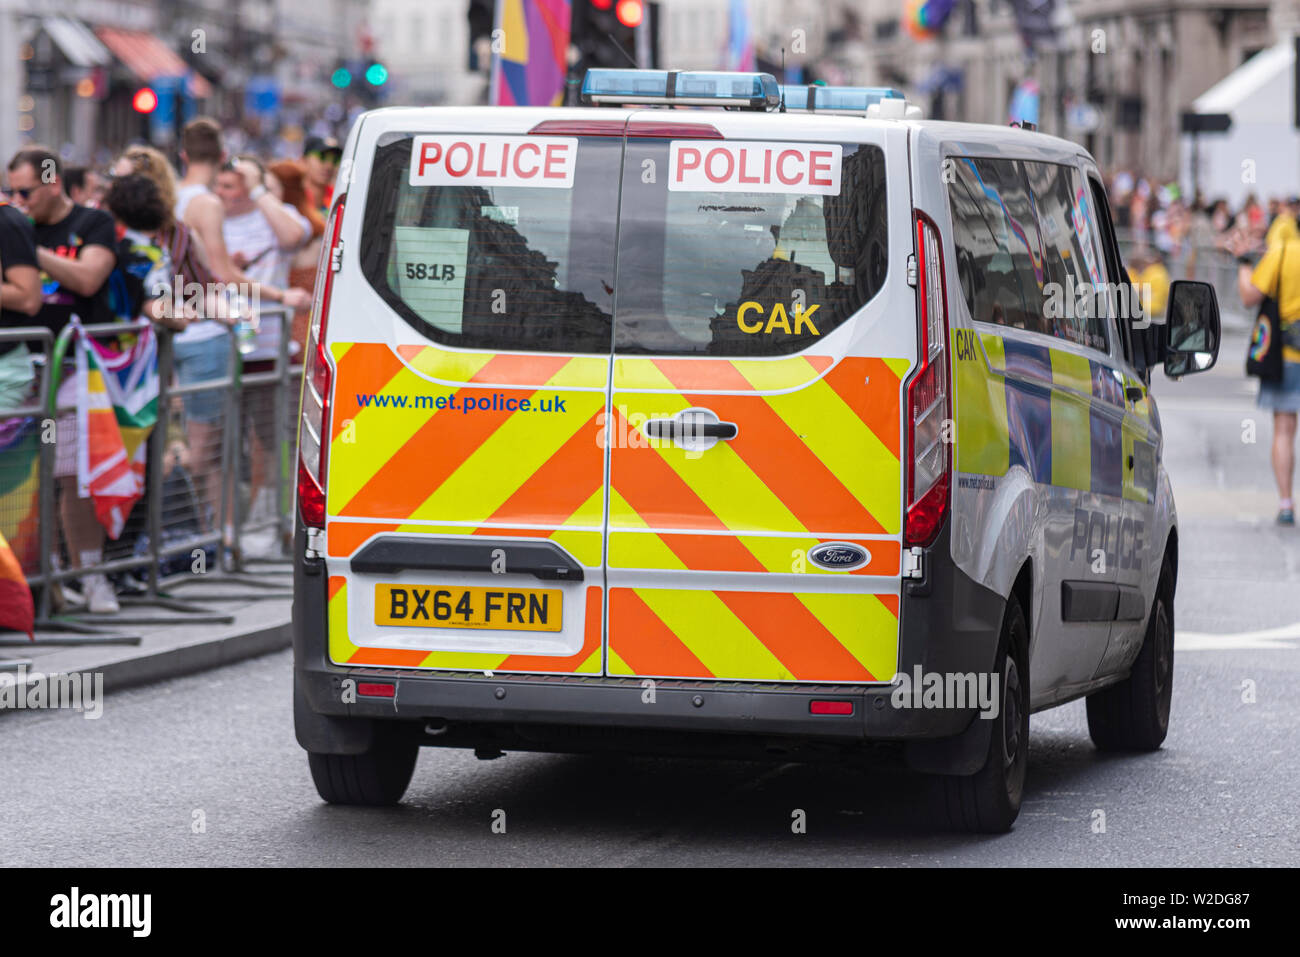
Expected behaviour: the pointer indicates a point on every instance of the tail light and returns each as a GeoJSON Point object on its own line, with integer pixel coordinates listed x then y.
{"type": "Point", "coordinates": [314, 421]}
{"type": "Point", "coordinates": [929, 405]}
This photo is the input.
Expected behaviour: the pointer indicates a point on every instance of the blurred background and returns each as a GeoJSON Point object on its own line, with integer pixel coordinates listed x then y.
{"type": "Point", "coordinates": [89, 76]}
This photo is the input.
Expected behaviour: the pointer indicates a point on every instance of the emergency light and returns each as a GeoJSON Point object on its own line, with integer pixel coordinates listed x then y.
{"type": "Point", "coordinates": [748, 91]}
{"type": "Point", "coordinates": [845, 99]}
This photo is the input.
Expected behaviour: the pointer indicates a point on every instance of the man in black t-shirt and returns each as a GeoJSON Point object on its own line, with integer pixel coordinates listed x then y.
{"type": "Point", "coordinates": [20, 293]}
{"type": "Point", "coordinates": [75, 253]}
{"type": "Point", "coordinates": [74, 244]}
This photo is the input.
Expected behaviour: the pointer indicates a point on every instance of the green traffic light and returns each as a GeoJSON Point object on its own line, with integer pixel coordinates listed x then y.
{"type": "Point", "coordinates": [376, 74]}
{"type": "Point", "coordinates": [341, 78]}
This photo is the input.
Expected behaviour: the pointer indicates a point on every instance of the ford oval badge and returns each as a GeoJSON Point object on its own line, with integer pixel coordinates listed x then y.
{"type": "Point", "coordinates": [839, 556]}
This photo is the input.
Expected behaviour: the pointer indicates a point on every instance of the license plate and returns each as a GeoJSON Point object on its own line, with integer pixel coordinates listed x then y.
{"type": "Point", "coordinates": [513, 609]}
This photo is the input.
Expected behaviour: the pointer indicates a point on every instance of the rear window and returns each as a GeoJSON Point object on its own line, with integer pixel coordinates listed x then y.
{"type": "Point", "coordinates": [496, 266]}
{"type": "Point", "coordinates": [729, 272]}
{"type": "Point", "coordinates": [702, 266]}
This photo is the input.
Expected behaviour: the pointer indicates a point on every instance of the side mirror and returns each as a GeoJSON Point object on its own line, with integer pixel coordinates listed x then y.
{"type": "Point", "coordinates": [1192, 327]}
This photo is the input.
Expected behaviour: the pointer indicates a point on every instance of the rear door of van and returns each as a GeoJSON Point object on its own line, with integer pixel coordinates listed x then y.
{"type": "Point", "coordinates": [763, 331]}
{"type": "Point", "coordinates": [470, 332]}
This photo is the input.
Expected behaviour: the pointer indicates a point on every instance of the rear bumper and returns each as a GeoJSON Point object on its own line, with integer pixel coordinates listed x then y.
{"type": "Point", "coordinates": [948, 623]}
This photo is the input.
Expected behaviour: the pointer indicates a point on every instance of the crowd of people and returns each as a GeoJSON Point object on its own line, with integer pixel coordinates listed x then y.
{"type": "Point", "coordinates": [1159, 224]}
{"type": "Point", "coordinates": [133, 241]}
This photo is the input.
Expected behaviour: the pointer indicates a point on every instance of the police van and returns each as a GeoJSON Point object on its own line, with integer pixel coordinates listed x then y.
{"type": "Point", "coordinates": [714, 418]}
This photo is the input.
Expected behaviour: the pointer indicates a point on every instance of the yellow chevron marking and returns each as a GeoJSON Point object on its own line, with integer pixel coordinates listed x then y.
{"type": "Point", "coordinates": [1071, 420]}
{"type": "Point", "coordinates": [378, 434]}
{"type": "Point", "coordinates": [341, 647]}
{"type": "Point", "coordinates": [835, 434]}
{"type": "Point", "coordinates": [463, 660]}
{"type": "Point", "coordinates": [591, 666]}
{"type": "Point", "coordinates": [864, 626]}
{"type": "Point", "coordinates": [450, 366]}
{"type": "Point", "coordinates": [898, 366]}
{"type": "Point", "coordinates": [704, 624]}
{"type": "Point", "coordinates": [340, 349]}
{"type": "Point", "coordinates": [775, 374]}
{"type": "Point", "coordinates": [505, 461]}
{"type": "Point", "coordinates": [583, 546]}
{"type": "Point", "coordinates": [617, 666]}
{"type": "Point", "coordinates": [718, 476]}
{"type": "Point", "coordinates": [581, 372]}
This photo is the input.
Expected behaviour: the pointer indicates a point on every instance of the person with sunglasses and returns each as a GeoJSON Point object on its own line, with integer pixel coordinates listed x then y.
{"type": "Point", "coordinates": [76, 253]}
{"type": "Point", "coordinates": [320, 162]}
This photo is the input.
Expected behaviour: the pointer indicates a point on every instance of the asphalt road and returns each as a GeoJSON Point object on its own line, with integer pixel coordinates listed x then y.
{"type": "Point", "coordinates": [218, 750]}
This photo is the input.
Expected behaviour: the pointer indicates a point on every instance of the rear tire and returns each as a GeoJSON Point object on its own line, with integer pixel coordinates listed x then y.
{"type": "Point", "coordinates": [377, 777]}
{"type": "Point", "coordinates": [1134, 714]}
{"type": "Point", "coordinates": [988, 801]}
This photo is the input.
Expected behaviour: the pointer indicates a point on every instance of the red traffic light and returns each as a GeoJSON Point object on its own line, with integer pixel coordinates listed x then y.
{"type": "Point", "coordinates": [145, 100]}
{"type": "Point", "coordinates": [630, 12]}
{"type": "Point", "coordinates": [602, 4]}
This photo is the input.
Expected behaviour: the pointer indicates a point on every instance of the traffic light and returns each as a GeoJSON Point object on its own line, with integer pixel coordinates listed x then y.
{"type": "Point", "coordinates": [604, 33]}
{"type": "Point", "coordinates": [376, 74]}
{"type": "Point", "coordinates": [341, 78]}
{"type": "Point", "coordinates": [629, 13]}
{"type": "Point", "coordinates": [145, 100]}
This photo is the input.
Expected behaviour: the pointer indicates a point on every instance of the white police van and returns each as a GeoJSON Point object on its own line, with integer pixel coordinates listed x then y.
{"type": "Point", "coordinates": [718, 419]}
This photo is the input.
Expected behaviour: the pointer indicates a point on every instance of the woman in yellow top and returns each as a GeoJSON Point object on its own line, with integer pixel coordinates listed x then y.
{"type": "Point", "coordinates": [1280, 264]}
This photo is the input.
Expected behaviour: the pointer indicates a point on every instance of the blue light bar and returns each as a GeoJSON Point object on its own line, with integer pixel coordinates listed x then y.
{"type": "Point", "coordinates": [847, 99]}
{"type": "Point", "coordinates": [752, 91]}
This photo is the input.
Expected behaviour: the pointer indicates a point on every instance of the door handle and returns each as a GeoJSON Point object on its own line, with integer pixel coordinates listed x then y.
{"type": "Point", "coordinates": [1134, 393]}
{"type": "Point", "coordinates": [669, 429]}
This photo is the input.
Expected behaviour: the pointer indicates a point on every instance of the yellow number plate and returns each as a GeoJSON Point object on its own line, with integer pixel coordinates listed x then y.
{"type": "Point", "coordinates": [513, 609]}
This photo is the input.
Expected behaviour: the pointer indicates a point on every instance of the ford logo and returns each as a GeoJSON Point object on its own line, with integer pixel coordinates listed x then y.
{"type": "Point", "coordinates": [839, 556]}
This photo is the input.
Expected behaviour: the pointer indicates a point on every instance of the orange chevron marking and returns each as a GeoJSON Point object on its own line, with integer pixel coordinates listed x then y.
{"type": "Point", "coordinates": [791, 632]}
{"type": "Point", "coordinates": [549, 663]}
{"type": "Point", "coordinates": [642, 640]}
{"type": "Point", "coordinates": [366, 367]}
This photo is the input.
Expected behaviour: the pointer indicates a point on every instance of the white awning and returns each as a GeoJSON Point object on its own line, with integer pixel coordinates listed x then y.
{"type": "Point", "coordinates": [79, 45]}
{"type": "Point", "coordinates": [1250, 89]}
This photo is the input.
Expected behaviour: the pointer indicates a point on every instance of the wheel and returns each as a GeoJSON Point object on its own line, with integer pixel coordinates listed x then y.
{"type": "Point", "coordinates": [988, 801]}
{"type": "Point", "coordinates": [1134, 714]}
{"type": "Point", "coordinates": [375, 778]}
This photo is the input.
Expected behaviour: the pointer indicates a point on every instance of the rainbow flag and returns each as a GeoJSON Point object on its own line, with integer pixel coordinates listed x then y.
{"type": "Point", "coordinates": [17, 611]}
{"type": "Point", "coordinates": [19, 489]}
{"type": "Point", "coordinates": [532, 64]}
{"type": "Point", "coordinates": [117, 406]}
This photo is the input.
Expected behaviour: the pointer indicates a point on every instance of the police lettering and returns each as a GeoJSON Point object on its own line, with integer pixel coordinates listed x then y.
{"type": "Point", "coordinates": [755, 167]}
{"type": "Point", "coordinates": [748, 318]}
{"type": "Point", "coordinates": [1119, 538]}
{"type": "Point", "coordinates": [493, 161]}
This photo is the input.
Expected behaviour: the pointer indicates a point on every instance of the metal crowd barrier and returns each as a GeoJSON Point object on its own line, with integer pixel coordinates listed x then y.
{"type": "Point", "coordinates": [269, 419]}
{"type": "Point", "coordinates": [1207, 263]}
{"type": "Point", "coordinates": [151, 540]}
{"type": "Point", "coordinates": [176, 530]}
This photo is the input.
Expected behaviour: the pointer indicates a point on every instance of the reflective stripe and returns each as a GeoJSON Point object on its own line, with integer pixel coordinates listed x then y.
{"type": "Point", "coordinates": [752, 635]}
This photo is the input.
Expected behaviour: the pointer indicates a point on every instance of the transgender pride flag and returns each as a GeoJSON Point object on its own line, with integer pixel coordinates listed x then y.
{"type": "Point", "coordinates": [533, 62]}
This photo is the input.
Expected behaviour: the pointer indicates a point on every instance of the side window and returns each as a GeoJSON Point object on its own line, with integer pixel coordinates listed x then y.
{"type": "Point", "coordinates": [999, 253]}
{"type": "Point", "coordinates": [1075, 301]}
{"type": "Point", "coordinates": [1114, 266]}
